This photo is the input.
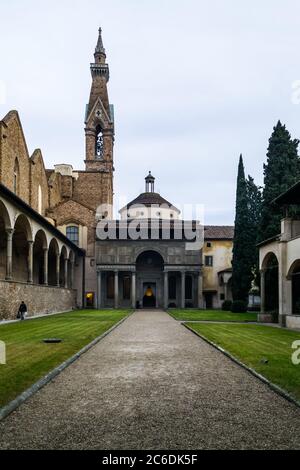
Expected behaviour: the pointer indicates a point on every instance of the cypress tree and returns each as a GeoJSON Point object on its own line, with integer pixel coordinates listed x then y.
{"type": "Point", "coordinates": [281, 171]}
{"type": "Point", "coordinates": [242, 261]}
{"type": "Point", "coordinates": [254, 206]}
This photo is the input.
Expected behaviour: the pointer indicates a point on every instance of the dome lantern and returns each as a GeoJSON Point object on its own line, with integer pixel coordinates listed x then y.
{"type": "Point", "coordinates": [149, 183]}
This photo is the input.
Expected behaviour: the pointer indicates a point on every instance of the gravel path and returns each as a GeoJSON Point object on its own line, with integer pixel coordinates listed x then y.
{"type": "Point", "coordinates": [152, 384]}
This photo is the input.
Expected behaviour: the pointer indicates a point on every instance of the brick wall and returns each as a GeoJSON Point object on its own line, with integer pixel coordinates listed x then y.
{"type": "Point", "coordinates": [90, 189]}
{"type": "Point", "coordinates": [39, 299]}
{"type": "Point", "coordinates": [13, 147]}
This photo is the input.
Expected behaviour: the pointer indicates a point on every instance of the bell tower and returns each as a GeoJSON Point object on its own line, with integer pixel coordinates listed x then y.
{"type": "Point", "coordinates": [99, 117]}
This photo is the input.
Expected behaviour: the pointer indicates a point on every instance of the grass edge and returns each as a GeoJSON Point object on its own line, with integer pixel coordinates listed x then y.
{"type": "Point", "coordinates": [280, 391]}
{"type": "Point", "coordinates": [36, 386]}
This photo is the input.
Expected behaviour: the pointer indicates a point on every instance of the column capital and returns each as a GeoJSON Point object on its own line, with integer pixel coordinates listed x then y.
{"type": "Point", "coordinates": [9, 231]}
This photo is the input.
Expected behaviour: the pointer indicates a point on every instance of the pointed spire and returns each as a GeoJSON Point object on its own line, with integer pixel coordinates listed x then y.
{"type": "Point", "coordinates": [100, 48]}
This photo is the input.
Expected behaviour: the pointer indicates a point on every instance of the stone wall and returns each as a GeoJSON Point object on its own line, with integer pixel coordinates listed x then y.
{"type": "Point", "coordinates": [126, 251]}
{"type": "Point", "coordinates": [14, 152]}
{"type": "Point", "coordinates": [293, 321]}
{"type": "Point", "coordinates": [39, 299]}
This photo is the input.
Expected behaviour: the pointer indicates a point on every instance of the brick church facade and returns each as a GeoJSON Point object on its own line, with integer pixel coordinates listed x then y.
{"type": "Point", "coordinates": [48, 216]}
{"type": "Point", "coordinates": [62, 198]}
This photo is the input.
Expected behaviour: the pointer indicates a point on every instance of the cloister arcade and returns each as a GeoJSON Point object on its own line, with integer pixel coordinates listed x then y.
{"type": "Point", "coordinates": [29, 254]}
{"type": "Point", "coordinates": [280, 281]}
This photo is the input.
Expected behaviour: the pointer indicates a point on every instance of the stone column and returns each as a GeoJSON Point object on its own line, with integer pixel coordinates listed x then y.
{"type": "Point", "coordinates": [182, 289]}
{"type": "Point", "coordinates": [66, 273]}
{"type": "Point", "coordinates": [45, 266]}
{"type": "Point", "coordinates": [30, 262]}
{"type": "Point", "coordinates": [200, 290]}
{"type": "Point", "coordinates": [263, 316]}
{"type": "Point", "coordinates": [116, 289]}
{"type": "Point", "coordinates": [57, 269]}
{"type": "Point", "coordinates": [166, 289]}
{"type": "Point", "coordinates": [9, 243]}
{"type": "Point", "coordinates": [133, 289]}
{"type": "Point", "coordinates": [72, 263]}
{"type": "Point", "coordinates": [262, 291]}
{"type": "Point", "coordinates": [99, 287]}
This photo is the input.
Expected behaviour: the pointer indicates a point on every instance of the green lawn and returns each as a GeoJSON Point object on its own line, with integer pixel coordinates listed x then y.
{"type": "Point", "coordinates": [252, 343]}
{"type": "Point", "coordinates": [211, 315]}
{"type": "Point", "coordinates": [28, 358]}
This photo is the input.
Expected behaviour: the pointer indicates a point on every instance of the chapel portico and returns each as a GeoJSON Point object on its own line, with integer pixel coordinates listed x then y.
{"type": "Point", "coordinates": [149, 267]}
{"type": "Point", "coordinates": [144, 284]}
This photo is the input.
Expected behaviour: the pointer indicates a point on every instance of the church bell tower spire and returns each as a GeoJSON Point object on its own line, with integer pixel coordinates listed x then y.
{"type": "Point", "coordinates": [99, 48]}
{"type": "Point", "coordinates": [99, 118]}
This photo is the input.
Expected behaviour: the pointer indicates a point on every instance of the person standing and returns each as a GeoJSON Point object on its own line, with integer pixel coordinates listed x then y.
{"type": "Point", "coordinates": [22, 311]}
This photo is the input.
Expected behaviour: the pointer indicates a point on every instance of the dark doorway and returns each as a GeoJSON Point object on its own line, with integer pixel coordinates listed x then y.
{"type": "Point", "coordinates": [149, 267]}
{"type": "Point", "coordinates": [89, 299]}
{"type": "Point", "coordinates": [149, 298]}
{"type": "Point", "coordinates": [208, 300]}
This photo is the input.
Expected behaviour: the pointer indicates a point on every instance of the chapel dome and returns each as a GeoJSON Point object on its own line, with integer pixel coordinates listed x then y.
{"type": "Point", "coordinates": [149, 205]}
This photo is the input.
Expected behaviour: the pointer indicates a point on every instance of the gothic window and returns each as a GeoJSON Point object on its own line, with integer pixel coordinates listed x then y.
{"type": "Point", "coordinates": [16, 177]}
{"type": "Point", "coordinates": [40, 200]}
{"type": "Point", "coordinates": [99, 143]}
{"type": "Point", "coordinates": [73, 234]}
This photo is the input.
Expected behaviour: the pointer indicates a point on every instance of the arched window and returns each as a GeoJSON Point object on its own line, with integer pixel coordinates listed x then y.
{"type": "Point", "coordinates": [40, 200]}
{"type": "Point", "coordinates": [72, 233]}
{"type": "Point", "coordinates": [16, 177]}
{"type": "Point", "coordinates": [99, 143]}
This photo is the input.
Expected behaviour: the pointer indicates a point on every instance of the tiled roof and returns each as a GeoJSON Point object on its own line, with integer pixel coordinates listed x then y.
{"type": "Point", "coordinates": [219, 232]}
{"type": "Point", "coordinates": [147, 199]}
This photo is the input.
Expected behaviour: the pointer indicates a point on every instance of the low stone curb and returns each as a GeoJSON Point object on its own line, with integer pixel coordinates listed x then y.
{"type": "Point", "coordinates": [263, 379]}
{"type": "Point", "coordinates": [242, 322]}
{"type": "Point", "coordinates": [14, 404]}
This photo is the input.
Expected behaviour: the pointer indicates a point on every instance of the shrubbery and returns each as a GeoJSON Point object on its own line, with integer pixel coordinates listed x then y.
{"type": "Point", "coordinates": [239, 306]}
{"type": "Point", "coordinates": [275, 316]}
{"type": "Point", "coordinates": [226, 305]}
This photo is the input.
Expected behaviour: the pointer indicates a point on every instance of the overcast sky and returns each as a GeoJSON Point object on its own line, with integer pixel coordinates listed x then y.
{"type": "Point", "coordinates": [194, 84]}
